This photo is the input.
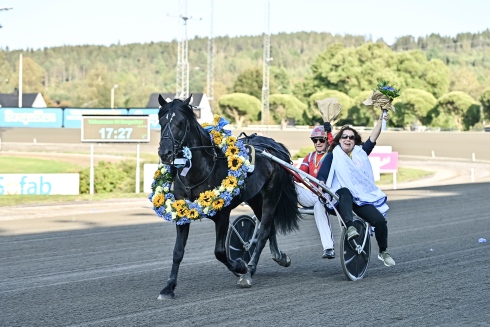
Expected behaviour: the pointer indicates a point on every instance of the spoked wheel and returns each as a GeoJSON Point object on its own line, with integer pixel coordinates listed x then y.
{"type": "Point", "coordinates": [240, 240]}
{"type": "Point", "coordinates": [355, 253]}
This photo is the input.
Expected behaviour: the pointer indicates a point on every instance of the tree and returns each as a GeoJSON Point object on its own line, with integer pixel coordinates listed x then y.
{"type": "Point", "coordinates": [99, 88]}
{"type": "Point", "coordinates": [280, 79]}
{"type": "Point", "coordinates": [485, 102]}
{"type": "Point", "coordinates": [362, 115]}
{"type": "Point", "coordinates": [32, 76]}
{"type": "Point", "coordinates": [464, 79]}
{"type": "Point", "coordinates": [412, 106]}
{"type": "Point", "coordinates": [240, 108]}
{"type": "Point", "coordinates": [354, 70]}
{"type": "Point", "coordinates": [456, 105]}
{"type": "Point", "coordinates": [6, 76]}
{"type": "Point", "coordinates": [286, 107]}
{"type": "Point", "coordinates": [249, 82]}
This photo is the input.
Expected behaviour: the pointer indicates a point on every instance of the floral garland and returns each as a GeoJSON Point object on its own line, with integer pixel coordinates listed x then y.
{"type": "Point", "coordinates": [209, 202]}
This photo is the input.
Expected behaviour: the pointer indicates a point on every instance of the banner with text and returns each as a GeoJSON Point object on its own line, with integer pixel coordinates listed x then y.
{"type": "Point", "coordinates": [48, 184]}
{"type": "Point", "coordinates": [31, 117]}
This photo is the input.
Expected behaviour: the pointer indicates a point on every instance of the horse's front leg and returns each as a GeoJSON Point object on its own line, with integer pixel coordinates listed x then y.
{"type": "Point", "coordinates": [222, 222]}
{"type": "Point", "coordinates": [180, 242]}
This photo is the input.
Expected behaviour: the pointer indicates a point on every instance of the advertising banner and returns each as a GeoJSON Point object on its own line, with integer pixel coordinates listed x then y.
{"type": "Point", "coordinates": [49, 184]}
{"type": "Point", "coordinates": [388, 162]}
{"type": "Point", "coordinates": [152, 114]}
{"type": "Point", "coordinates": [31, 117]}
{"type": "Point", "coordinates": [72, 117]}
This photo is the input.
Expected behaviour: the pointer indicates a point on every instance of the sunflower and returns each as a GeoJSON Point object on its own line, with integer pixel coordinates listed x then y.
{"type": "Point", "coordinates": [206, 198]}
{"type": "Point", "coordinates": [193, 214]}
{"type": "Point", "coordinates": [216, 119]}
{"type": "Point", "coordinates": [234, 163]}
{"type": "Point", "coordinates": [218, 204]}
{"type": "Point", "coordinates": [232, 150]}
{"type": "Point", "coordinates": [230, 181]}
{"type": "Point", "coordinates": [230, 140]}
{"type": "Point", "coordinates": [218, 140]}
{"type": "Point", "coordinates": [157, 174]}
{"type": "Point", "coordinates": [179, 204]}
{"type": "Point", "coordinates": [158, 200]}
{"type": "Point", "coordinates": [183, 212]}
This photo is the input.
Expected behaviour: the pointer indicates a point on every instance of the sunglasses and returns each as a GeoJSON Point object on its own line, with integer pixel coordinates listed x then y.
{"type": "Point", "coordinates": [318, 140]}
{"type": "Point", "coordinates": [345, 137]}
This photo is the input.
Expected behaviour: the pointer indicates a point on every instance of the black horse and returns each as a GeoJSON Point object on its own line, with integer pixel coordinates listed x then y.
{"type": "Point", "coordinates": [269, 190]}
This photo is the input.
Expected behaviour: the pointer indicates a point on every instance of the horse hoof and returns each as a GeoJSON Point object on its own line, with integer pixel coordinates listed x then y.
{"type": "Point", "coordinates": [244, 282]}
{"type": "Point", "coordinates": [284, 261]}
{"type": "Point", "coordinates": [166, 296]}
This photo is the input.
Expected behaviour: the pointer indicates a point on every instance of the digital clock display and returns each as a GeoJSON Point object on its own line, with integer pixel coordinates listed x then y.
{"type": "Point", "coordinates": [115, 129]}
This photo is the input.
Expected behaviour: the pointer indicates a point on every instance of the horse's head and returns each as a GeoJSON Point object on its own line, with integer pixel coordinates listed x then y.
{"type": "Point", "coordinates": [175, 119]}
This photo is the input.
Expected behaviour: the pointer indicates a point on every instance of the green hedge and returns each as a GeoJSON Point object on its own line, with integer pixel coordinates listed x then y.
{"type": "Point", "coordinates": [111, 177]}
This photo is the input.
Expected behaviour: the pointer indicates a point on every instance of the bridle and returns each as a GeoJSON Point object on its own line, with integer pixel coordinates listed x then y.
{"type": "Point", "coordinates": [179, 145]}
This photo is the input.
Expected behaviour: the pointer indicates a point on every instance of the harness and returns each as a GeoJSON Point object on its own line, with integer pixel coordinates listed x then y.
{"type": "Point", "coordinates": [178, 147]}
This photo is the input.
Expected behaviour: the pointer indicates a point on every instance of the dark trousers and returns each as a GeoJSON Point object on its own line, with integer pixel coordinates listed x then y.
{"type": "Point", "coordinates": [367, 212]}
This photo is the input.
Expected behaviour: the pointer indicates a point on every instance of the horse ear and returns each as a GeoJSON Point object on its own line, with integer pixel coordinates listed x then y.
{"type": "Point", "coordinates": [161, 100]}
{"type": "Point", "coordinates": [188, 100]}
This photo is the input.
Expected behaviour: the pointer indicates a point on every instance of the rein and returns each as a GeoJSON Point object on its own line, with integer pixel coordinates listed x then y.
{"type": "Point", "coordinates": [179, 148]}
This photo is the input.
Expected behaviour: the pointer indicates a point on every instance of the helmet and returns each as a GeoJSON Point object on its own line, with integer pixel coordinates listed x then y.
{"type": "Point", "coordinates": [318, 131]}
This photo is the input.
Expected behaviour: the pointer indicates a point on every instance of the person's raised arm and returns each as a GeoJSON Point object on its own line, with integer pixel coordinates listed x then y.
{"type": "Point", "coordinates": [377, 129]}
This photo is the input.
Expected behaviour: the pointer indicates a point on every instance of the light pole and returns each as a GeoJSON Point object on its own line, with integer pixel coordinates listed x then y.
{"type": "Point", "coordinates": [112, 95]}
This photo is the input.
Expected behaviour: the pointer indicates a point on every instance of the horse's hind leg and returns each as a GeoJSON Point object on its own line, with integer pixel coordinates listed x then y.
{"type": "Point", "coordinates": [180, 242]}
{"type": "Point", "coordinates": [278, 256]}
{"type": "Point", "coordinates": [264, 232]}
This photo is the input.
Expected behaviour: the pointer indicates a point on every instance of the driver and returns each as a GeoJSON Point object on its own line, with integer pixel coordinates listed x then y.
{"type": "Point", "coordinates": [311, 165]}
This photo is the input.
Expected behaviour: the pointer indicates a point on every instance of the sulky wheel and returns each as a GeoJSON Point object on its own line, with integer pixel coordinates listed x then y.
{"type": "Point", "coordinates": [240, 240]}
{"type": "Point", "coordinates": [355, 252]}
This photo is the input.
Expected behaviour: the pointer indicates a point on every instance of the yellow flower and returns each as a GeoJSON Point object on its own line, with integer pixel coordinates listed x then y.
{"type": "Point", "coordinates": [230, 140]}
{"type": "Point", "coordinates": [158, 200]}
{"type": "Point", "coordinates": [218, 139]}
{"type": "Point", "coordinates": [218, 204]}
{"type": "Point", "coordinates": [205, 198]}
{"type": "Point", "coordinates": [231, 151]}
{"type": "Point", "coordinates": [183, 212]}
{"type": "Point", "coordinates": [193, 214]}
{"type": "Point", "coordinates": [216, 119]}
{"type": "Point", "coordinates": [177, 205]}
{"type": "Point", "coordinates": [230, 181]}
{"type": "Point", "coordinates": [234, 163]}
{"type": "Point", "coordinates": [205, 124]}
{"type": "Point", "coordinates": [157, 174]}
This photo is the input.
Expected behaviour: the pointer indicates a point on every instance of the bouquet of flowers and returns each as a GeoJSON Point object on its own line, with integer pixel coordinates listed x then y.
{"type": "Point", "coordinates": [382, 96]}
{"type": "Point", "coordinates": [387, 90]}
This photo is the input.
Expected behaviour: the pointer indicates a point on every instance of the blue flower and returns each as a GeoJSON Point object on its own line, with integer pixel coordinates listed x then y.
{"type": "Point", "coordinates": [227, 196]}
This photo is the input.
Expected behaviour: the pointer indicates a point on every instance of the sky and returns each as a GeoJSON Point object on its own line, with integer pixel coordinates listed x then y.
{"type": "Point", "coordinates": [35, 24]}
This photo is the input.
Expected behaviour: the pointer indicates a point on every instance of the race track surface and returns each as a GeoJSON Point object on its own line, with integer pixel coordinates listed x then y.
{"type": "Point", "coordinates": [101, 273]}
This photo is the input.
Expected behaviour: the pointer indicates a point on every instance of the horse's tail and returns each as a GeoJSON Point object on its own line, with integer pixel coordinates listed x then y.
{"type": "Point", "coordinates": [287, 216]}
